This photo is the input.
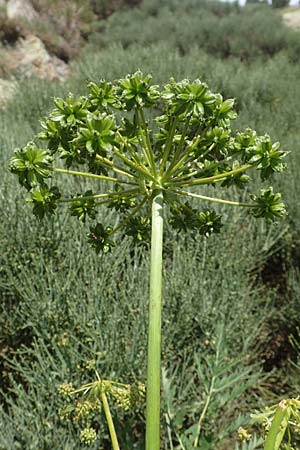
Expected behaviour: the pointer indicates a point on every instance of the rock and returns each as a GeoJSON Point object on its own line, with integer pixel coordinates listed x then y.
{"type": "Point", "coordinates": [21, 9]}
{"type": "Point", "coordinates": [30, 57]}
{"type": "Point", "coordinates": [292, 18]}
{"type": "Point", "coordinates": [7, 91]}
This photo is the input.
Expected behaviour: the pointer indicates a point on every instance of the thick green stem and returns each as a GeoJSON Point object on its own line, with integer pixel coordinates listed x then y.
{"type": "Point", "coordinates": [110, 423]}
{"type": "Point", "coordinates": [278, 427]}
{"type": "Point", "coordinates": [154, 333]}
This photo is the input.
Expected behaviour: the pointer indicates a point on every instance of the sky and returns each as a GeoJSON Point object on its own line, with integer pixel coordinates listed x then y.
{"type": "Point", "coordinates": [242, 2]}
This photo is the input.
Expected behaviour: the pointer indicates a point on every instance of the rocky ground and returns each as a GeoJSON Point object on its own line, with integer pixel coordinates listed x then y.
{"type": "Point", "coordinates": [291, 16]}
{"type": "Point", "coordinates": [40, 37]}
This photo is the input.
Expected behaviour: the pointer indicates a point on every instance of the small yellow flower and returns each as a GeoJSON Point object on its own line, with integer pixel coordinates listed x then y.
{"type": "Point", "coordinates": [243, 434]}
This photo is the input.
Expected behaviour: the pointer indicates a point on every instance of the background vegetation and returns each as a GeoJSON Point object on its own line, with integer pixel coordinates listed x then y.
{"type": "Point", "coordinates": [231, 301]}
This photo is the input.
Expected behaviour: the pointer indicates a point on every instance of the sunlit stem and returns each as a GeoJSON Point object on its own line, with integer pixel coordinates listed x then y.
{"type": "Point", "coordinates": [191, 159]}
{"type": "Point", "coordinates": [106, 162]}
{"type": "Point", "coordinates": [179, 163]}
{"type": "Point", "coordinates": [187, 176]}
{"type": "Point", "coordinates": [179, 149]}
{"type": "Point", "coordinates": [214, 165]}
{"type": "Point", "coordinates": [186, 159]}
{"type": "Point", "coordinates": [91, 175]}
{"type": "Point", "coordinates": [87, 387]}
{"type": "Point", "coordinates": [168, 421]}
{"type": "Point", "coordinates": [142, 139]}
{"type": "Point", "coordinates": [168, 145]}
{"type": "Point", "coordinates": [137, 167]}
{"type": "Point", "coordinates": [103, 202]}
{"type": "Point", "coordinates": [278, 426]}
{"type": "Point", "coordinates": [132, 214]}
{"type": "Point", "coordinates": [129, 148]}
{"type": "Point", "coordinates": [204, 411]}
{"type": "Point", "coordinates": [110, 423]}
{"type": "Point", "coordinates": [213, 179]}
{"type": "Point", "coordinates": [97, 196]}
{"type": "Point", "coordinates": [154, 330]}
{"type": "Point", "coordinates": [208, 150]}
{"type": "Point", "coordinates": [135, 156]}
{"type": "Point", "coordinates": [147, 141]}
{"type": "Point", "coordinates": [215, 200]}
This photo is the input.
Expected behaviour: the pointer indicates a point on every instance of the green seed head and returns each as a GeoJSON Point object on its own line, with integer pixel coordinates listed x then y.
{"type": "Point", "coordinates": [106, 137]}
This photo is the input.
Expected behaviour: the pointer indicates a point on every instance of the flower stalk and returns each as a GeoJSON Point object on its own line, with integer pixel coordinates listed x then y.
{"type": "Point", "coordinates": [91, 175]}
{"type": "Point", "coordinates": [214, 199]}
{"type": "Point", "coordinates": [213, 179]}
{"type": "Point", "coordinates": [110, 423]}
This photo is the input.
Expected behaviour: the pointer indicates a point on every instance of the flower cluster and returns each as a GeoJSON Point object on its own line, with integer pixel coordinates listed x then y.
{"type": "Point", "coordinates": [85, 404]}
{"type": "Point", "coordinates": [88, 436]}
{"type": "Point", "coordinates": [184, 217]}
{"type": "Point", "coordinates": [127, 396]}
{"type": "Point", "coordinates": [65, 389]}
{"type": "Point", "coordinates": [280, 424]}
{"type": "Point", "coordinates": [104, 136]}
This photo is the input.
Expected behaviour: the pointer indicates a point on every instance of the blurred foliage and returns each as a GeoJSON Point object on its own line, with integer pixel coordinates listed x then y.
{"type": "Point", "coordinates": [280, 3]}
{"type": "Point", "coordinates": [62, 306]}
{"type": "Point", "coordinates": [224, 31]}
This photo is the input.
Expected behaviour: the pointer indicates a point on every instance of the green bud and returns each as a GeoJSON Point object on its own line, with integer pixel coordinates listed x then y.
{"type": "Point", "coordinates": [136, 91]}
{"type": "Point", "coordinates": [44, 200]}
{"type": "Point", "coordinates": [31, 164]}
{"type": "Point", "coordinates": [268, 205]}
{"type": "Point", "coordinates": [82, 409]}
{"type": "Point", "coordinates": [99, 237]}
{"type": "Point", "coordinates": [83, 207]}
{"type": "Point", "coordinates": [88, 436]}
{"type": "Point", "coordinates": [137, 393]}
{"type": "Point", "coordinates": [65, 389]}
